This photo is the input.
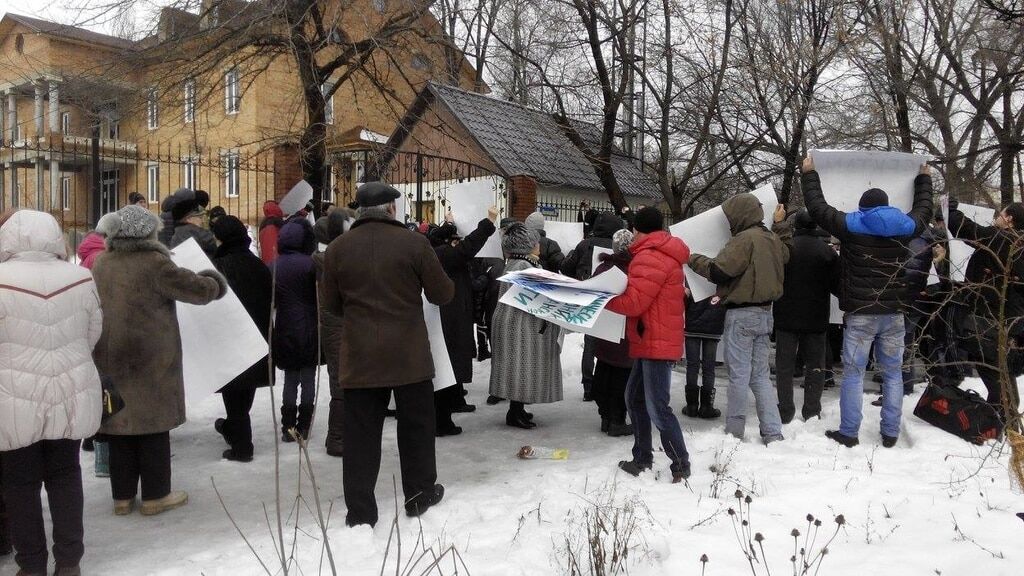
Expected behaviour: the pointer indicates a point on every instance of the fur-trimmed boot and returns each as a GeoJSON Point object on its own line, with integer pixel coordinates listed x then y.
{"type": "Point", "coordinates": [692, 408]}
{"type": "Point", "coordinates": [288, 419]}
{"type": "Point", "coordinates": [305, 420]}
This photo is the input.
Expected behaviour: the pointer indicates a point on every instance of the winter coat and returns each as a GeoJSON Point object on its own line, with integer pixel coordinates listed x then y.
{"type": "Point", "coordinates": [873, 245]}
{"type": "Point", "coordinates": [184, 230]}
{"type": "Point", "coordinates": [250, 280]}
{"type": "Point", "coordinates": [579, 261]}
{"type": "Point", "coordinates": [550, 254]}
{"type": "Point", "coordinates": [986, 270]}
{"type": "Point", "coordinates": [166, 216]}
{"type": "Point", "coordinates": [705, 319]}
{"type": "Point", "coordinates": [917, 270]}
{"type": "Point", "coordinates": [92, 246]}
{"type": "Point", "coordinates": [811, 275]}
{"type": "Point", "coordinates": [49, 322]}
{"type": "Point", "coordinates": [749, 270]}
{"type": "Point", "coordinates": [294, 341]}
{"type": "Point", "coordinates": [653, 300]}
{"type": "Point", "coordinates": [611, 353]}
{"type": "Point", "coordinates": [485, 273]}
{"type": "Point", "coordinates": [140, 348]}
{"type": "Point", "coordinates": [269, 229]}
{"type": "Point", "coordinates": [327, 229]}
{"type": "Point", "coordinates": [376, 276]}
{"type": "Point", "coordinates": [525, 357]}
{"type": "Point", "coordinates": [457, 315]}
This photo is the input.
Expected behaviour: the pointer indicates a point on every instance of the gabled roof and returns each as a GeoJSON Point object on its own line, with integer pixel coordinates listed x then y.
{"type": "Point", "coordinates": [523, 141]}
{"type": "Point", "coordinates": [69, 32]}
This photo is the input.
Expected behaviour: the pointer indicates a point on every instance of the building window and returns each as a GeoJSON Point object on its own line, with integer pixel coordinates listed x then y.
{"type": "Point", "coordinates": [19, 43]}
{"type": "Point", "coordinates": [153, 182]}
{"type": "Point", "coordinates": [152, 110]}
{"type": "Point", "coordinates": [190, 177]}
{"type": "Point", "coordinates": [230, 162]}
{"type": "Point", "coordinates": [332, 186]}
{"type": "Point", "coordinates": [232, 93]}
{"type": "Point", "coordinates": [190, 101]}
{"type": "Point", "coordinates": [65, 123]}
{"type": "Point", "coordinates": [114, 129]}
{"type": "Point", "coordinates": [65, 193]}
{"type": "Point", "coordinates": [328, 102]}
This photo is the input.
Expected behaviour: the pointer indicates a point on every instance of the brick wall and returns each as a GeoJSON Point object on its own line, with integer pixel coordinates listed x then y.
{"type": "Point", "coordinates": [287, 169]}
{"type": "Point", "coordinates": [523, 196]}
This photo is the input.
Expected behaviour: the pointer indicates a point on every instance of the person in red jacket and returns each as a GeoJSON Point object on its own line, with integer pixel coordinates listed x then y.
{"type": "Point", "coordinates": [653, 303]}
{"type": "Point", "coordinates": [274, 219]}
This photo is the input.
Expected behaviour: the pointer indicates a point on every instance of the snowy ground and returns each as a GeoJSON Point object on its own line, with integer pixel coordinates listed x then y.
{"type": "Point", "coordinates": [509, 517]}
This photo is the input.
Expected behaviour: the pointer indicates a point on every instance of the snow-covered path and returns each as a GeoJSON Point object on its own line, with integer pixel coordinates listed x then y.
{"type": "Point", "coordinates": [508, 516]}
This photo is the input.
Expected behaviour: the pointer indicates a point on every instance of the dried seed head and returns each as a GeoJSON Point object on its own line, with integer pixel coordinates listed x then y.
{"type": "Point", "coordinates": [792, 558]}
{"type": "Point", "coordinates": [824, 551]}
{"type": "Point", "coordinates": [758, 537]}
{"type": "Point", "coordinates": [704, 558]}
{"type": "Point", "coordinates": [795, 533]}
{"type": "Point", "coordinates": [748, 499]}
{"type": "Point", "coordinates": [817, 522]}
{"type": "Point", "coordinates": [731, 512]}
{"type": "Point", "coordinates": [738, 494]}
{"type": "Point", "coordinates": [745, 523]}
{"type": "Point", "coordinates": [810, 517]}
{"type": "Point", "coordinates": [841, 520]}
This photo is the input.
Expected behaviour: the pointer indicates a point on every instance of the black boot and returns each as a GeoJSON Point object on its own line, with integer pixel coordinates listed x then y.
{"type": "Point", "coordinates": [305, 421]}
{"type": "Point", "coordinates": [692, 407]}
{"type": "Point", "coordinates": [707, 409]}
{"type": "Point", "coordinates": [482, 353]}
{"type": "Point", "coordinates": [288, 418]}
{"type": "Point", "coordinates": [517, 416]}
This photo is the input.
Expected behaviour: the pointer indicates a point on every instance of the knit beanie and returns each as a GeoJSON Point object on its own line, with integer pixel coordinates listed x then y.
{"type": "Point", "coordinates": [108, 224]}
{"type": "Point", "coordinates": [519, 240]}
{"type": "Point", "coordinates": [873, 198]}
{"type": "Point", "coordinates": [621, 241]}
{"type": "Point", "coordinates": [535, 221]}
{"type": "Point", "coordinates": [804, 220]}
{"type": "Point", "coordinates": [132, 222]}
{"type": "Point", "coordinates": [230, 231]}
{"type": "Point", "coordinates": [648, 220]}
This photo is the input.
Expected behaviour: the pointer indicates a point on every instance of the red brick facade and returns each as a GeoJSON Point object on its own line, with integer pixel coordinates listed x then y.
{"type": "Point", "coordinates": [522, 196]}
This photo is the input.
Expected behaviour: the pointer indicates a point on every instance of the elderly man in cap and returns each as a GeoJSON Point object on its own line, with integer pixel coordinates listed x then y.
{"type": "Point", "coordinates": [375, 278]}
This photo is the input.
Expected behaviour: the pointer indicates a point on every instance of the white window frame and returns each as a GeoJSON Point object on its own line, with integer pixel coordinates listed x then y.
{"type": "Point", "coordinates": [328, 102]}
{"type": "Point", "coordinates": [65, 193]}
{"type": "Point", "coordinates": [232, 91]}
{"type": "Point", "coordinates": [332, 183]}
{"type": "Point", "coordinates": [231, 164]}
{"type": "Point", "coordinates": [65, 123]}
{"type": "Point", "coordinates": [190, 101]}
{"type": "Point", "coordinates": [113, 130]}
{"type": "Point", "coordinates": [152, 110]}
{"type": "Point", "coordinates": [153, 183]}
{"type": "Point", "coordinates": [190, 172]}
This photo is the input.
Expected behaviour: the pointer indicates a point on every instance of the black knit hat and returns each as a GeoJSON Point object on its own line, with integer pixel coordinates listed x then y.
{"type": "Point", "coordinates": [874, 198]}
{"type": "Point", "coordinates": [229, 230]}
{"type": "Point", "coordinates": [202, 198]}
{"type": "Point", "coordinates": [184, 209]}
{"type": "Point", "coordinates": [648, 220]}
{"type": "Point", "coordinates": [804, 221]}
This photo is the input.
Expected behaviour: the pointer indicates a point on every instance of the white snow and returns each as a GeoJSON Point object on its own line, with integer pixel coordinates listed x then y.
{"type": "Point", "coordinates": [507, 516]}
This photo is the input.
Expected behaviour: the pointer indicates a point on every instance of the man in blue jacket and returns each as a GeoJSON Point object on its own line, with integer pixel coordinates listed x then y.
{"type": "Point", "coordinates": [873, 252]}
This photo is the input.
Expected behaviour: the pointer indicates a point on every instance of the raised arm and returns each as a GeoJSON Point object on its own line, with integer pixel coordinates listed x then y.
{"type": "Point", "coordinates": [832, 220]}
{"type": "Point", "coordinates": [921, 212]}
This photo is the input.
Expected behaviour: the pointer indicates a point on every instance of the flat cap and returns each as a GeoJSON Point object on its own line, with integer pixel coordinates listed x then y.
{"type": "Point", "coordinates": [375, 194]}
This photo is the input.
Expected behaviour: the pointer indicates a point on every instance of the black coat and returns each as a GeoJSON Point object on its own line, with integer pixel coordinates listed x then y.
{"type": "Point", "coordinates": [250, 280]}
{"type": "Point", "coordinates": [705, 319]}
{"type": "Point", "coordinates": [485, 273]}
{"type": "Point", "coordinates": [551, 256]}
{"type": "Point", "coordinates": [871, 279]}
{"type": "Point", "coordinates": [987, 269]}
{"type": "Point", "coordinates": [580, 260]}
{"type": "Point", "coordinates": [296, 321]}
{"type": "Point", "coordinates": [457, 315]}
{"type": "Point", "coordinates": [811, 275]}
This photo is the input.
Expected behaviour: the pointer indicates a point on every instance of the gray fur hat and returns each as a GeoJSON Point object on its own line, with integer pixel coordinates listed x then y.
{"type": "Point", "coordinates": [519, 240]}
{"type": "Point", "coordinates": [621, 241]}
{"type": "Point", "coordinates": [535, 221]}
{"type": "Point", "coordinates": [129, 222]}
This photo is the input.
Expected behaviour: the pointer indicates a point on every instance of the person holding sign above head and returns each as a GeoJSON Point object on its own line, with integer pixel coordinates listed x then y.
{"type": "Point", "coordinates": [525, 363]}
{"type": "Point", "coordinates": [749, 272]}
{"type": "Point", "coordinates": [375, 278]}
{"type": "Point", "coordinates": [871, 292]}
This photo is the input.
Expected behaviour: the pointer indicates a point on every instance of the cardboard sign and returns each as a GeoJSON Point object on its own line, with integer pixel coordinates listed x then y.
{"type": "Point", "coordinates": [219, 341]}
{"type": "Point", "coordinates": [567, 234]}
{"type": "Point", "coordinates": [444, 374]}
{"type": "Point", "coordinates": [469, 203]}
{"type": "Point", "coordinates": [847, 174]}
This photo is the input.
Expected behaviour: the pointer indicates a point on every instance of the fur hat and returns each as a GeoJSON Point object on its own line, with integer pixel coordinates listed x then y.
{"type": "Point", "coordinates": [108, 224]}
{"type": "Point", "coordinates": [621, 241]}
{"type": "Point", "coordinates": [535, 221]}
{"type": "Point", "coordinates": [229, 230]}
{"type": "Point", "coordinates": [648, 220]}
{"type": "Point", "coordinates": [873, 198]}
{"type": "Point", "coordinates": [132, 222]}
{"type": "Point", "coordinates": [519, 240]}
{"type": "Point", "coordinates": [185, 209]}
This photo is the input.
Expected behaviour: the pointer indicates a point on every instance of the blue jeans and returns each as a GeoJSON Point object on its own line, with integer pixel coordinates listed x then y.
{"type": "Point", "coordinates": [293, 379]}
{"type": "Point", "coordinates": [887, 333]}
{"type": "Point", "coordinates": [746, 341]}
{"type": "Point", "coordinates": [647, 398]}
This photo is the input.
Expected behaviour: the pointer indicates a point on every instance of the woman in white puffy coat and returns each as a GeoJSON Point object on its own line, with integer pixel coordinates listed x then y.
{"type": "Point", "coordinates": [49, 388]}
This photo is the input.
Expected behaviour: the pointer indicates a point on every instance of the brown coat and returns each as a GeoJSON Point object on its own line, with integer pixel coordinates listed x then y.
{"type": "Point", "coordinates": [374, 278]}
{"type": "Point", "coordinates": [140, 347]}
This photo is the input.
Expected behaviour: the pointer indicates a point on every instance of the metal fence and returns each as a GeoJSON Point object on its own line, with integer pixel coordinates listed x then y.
{"type": "Point", "coordinates": [566, 209]}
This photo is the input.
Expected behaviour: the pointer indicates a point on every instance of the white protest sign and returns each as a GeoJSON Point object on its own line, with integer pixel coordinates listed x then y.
{"type": "Point", "coordinates": [567, 234]}
{"type": "Point", "coordinates": [592, 320]}
{"type": "Point", "coordinates": [596, 259]}
{"type": "Point", "coordinates": [846, 174]}
{"type": "Point", "coordinates": [569, 290]}
{"type": "Point", "coordinates": [469, 202]}
{"type": "Point", "coordinates": [835, 315]}
{"type": "Point", "coordinates": [959, 251]}
{"type": "Point", "coordinates": [296, 198]}
{"type": "Point", "coordinates": [444, 374]}
{"type": "Point", "coordinates": [708, 232]}
{"type": "Point", "coordinates": [219, 341]}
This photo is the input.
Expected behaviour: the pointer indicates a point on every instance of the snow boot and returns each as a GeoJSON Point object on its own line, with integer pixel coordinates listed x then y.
{"type": "Point", "coordinates": [161, 505]}
{"type": "Point", "coordinates": [633, 467]}
{"type": "Point", "coordinates": [848, 441]}
{"type": "Point", "coordinates": [305, 421]}
{"type": "Point", "coordinates": [619, 429]}
{"type": "Point", "coordinates": [692, 407]}
{"type": "Point", "coordinates": [420, 503]}
{"type": "Point", "coordinates": [680, 472]}
{"type": "Point", "coordinates": [288, 418]}
{"type": "Point", "coordinates": [707, 408]}
{"type": "Point", "coordinates": [482, 353]}
{"type": "Point", "coordinates": [889, 441]}
{"type": "Point", "coordinates": [124, 507]}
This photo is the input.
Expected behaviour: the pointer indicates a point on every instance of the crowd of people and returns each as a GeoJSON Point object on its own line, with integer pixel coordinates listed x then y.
{"type": "Point", "coordinates": [91, 351]}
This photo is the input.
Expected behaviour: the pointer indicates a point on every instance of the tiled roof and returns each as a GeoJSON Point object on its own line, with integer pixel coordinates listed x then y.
{"type": "Point", "coordinates": [71, 32]}
{"type": "Point", "coordinates": [524, 141]}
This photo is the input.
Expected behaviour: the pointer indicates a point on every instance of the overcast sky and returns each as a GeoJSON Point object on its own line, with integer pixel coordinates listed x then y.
{"type": "Point", "coordinates": [84, 13]}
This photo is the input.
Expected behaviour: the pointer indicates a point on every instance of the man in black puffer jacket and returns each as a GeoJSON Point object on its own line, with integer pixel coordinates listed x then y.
{"type": "Point", "coordinates": [872, 289]}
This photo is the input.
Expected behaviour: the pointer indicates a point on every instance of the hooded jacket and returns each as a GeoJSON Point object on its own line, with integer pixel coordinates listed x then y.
{"type": "Point", "coordinates": [295, 324]}
{"type": "Point", "coordinates": [92, 246]}
{"type": "Point", "coordinates": [873, 248]}
{"type": "Point", "coordinates": [580, 260]}
{"type": "Point", "coordinates": [750, 268]}
{"type": "Point", "coordinates": [653, 300]}
{"type": "Point", "coordinates": [551, 256]}
{"type": "Point", "coordinates": [270, 226]}
{"type": "Point", "coordinates": [49, 386]}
